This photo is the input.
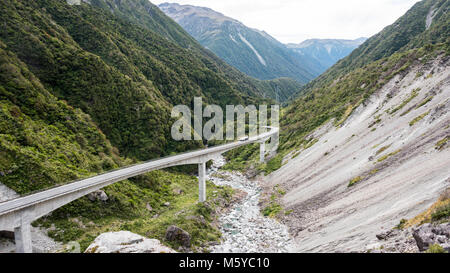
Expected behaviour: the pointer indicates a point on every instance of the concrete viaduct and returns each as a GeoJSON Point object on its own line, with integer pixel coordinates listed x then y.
{"type": "Point", "coordinates": [18, 214]}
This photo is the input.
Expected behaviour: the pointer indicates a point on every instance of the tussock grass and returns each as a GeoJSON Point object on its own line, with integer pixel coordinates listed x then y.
{"type": "Point", "coordinates": [383, 158]}
{"type": "Point", "coordinates": [418, 118]}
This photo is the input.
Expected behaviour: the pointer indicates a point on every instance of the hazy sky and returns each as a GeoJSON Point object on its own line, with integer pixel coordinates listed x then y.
{"type": "Point", "coordinates": [292, 21]}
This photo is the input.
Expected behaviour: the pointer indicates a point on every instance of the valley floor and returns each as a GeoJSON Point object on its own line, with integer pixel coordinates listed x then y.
{"type": "Point", "coordinates": [244, 228]}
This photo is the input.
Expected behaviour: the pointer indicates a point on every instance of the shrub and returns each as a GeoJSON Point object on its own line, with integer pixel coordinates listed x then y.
{"type": "Point", "coordinates": [354, 181]}
{"type": "Point", "coordinates": [441, 213]}
{"type": "Point", "coordinates": [419, 118]}
{"type": "Point", "coordinates": [436, 249]}
{"type": "Point", "coordinates": [441, 143]}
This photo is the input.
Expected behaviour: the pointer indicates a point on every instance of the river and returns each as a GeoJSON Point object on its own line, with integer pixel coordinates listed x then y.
{"type": "Point", "coordinates": [244, 229]}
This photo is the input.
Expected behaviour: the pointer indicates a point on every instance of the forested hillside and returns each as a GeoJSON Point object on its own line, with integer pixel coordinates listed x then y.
{"type": "Point", "coordinates": [124, 76]}
{"type": "Point", "coordinates": [147, 15]}
{"type": "Point", "coordinates": [84, 90]}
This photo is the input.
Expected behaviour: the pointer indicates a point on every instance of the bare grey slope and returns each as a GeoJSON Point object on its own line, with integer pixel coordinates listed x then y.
{"type": "Point", "coordinates": [400, 171]}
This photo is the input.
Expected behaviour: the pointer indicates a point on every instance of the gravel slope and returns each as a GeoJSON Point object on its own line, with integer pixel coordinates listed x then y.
{"type": "Point", "coordinates": [328, 215]}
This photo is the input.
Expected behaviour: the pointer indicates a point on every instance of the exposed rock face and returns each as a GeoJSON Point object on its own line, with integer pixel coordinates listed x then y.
{"type": "Point", "coordinates": [428, 234]}
{"type": "Point", "coordinates": [98, 195]}
{"type": "Point", "coordinates": [176, 234]}
{"type": "Point", "coordinates": [126, 242]}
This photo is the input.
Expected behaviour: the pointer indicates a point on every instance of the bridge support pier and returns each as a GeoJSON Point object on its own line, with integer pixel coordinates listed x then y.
{"type": "Point", "coordinates": [262, 151]}
{"type": "Point", "coordinates": [22, 235]}
{"type": "Point", "coordinates": [202, 182]}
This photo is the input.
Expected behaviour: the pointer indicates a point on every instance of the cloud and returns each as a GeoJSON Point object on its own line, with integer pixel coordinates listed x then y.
{"type": "Point", "coordinates": [292, 21]}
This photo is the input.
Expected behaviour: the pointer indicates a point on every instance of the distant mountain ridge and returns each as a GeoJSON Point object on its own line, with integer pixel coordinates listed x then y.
{"type": "Point", "coordinates": [326, 52]}
{"type": "Point", "coordinates": [252, 51]}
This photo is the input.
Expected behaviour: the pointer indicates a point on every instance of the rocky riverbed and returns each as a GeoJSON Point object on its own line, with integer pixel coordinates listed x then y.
{"type": "Point", "coordinates": [244, 228]}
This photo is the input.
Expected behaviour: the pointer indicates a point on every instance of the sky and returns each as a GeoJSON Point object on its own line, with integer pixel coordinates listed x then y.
{"type": "Point", "coordinates": [293, 21]}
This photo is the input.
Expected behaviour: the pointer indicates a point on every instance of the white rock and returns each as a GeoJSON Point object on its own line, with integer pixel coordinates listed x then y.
{"type": "Point", "coordinates": [126, 242]}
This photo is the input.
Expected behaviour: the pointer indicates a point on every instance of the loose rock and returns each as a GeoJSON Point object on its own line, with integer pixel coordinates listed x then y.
{"type": "Point", "coordinates": [429, 234]}
{"type": "Point", "coordinates": [176, 234]}
{"type": "Point", "coordinates": [98, 195]}
{"type": "Point", "coordinates": [244, 228]}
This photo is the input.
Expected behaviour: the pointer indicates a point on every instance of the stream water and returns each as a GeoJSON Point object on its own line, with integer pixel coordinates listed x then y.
{"type": "Point", "coordinates": [244, 228]}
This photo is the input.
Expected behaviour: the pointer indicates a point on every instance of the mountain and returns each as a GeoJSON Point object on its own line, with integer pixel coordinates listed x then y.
{"type": "Point", "coordinates": [365, 145]}
{"type": "Point", "coordinates": [251, 51]}
{"type": "Point", "coordinates": [426, 22]}
{"type": "Point", "coordinates": [87, 87]}
{"type": "Point", "coordinates": [326, 52]}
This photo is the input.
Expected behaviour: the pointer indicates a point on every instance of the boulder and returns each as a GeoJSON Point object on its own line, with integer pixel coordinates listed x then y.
{"type": "Point", "coordinates": [126, 242]}
{"type": "Point", "coordinates": [176, 234]}
{"type": "Point", "coordinates": [178, 191]}
{"type": "Point", "coordinates": [98, 195]}
{"type": "Point", "coordinates": [387, 234]}
{"type": "Point", "coordinates": [429, 234]}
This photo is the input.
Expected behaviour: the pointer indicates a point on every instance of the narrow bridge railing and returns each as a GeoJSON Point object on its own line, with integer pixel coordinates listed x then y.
{"type": "Point", "coordinates": [17, 214]}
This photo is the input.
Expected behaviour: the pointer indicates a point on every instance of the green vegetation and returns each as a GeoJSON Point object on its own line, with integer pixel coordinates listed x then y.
{"type": "Point", "coordinates": [383, 158]}
{"type": "Point", "coordinates": [138, 206]}
{"type": "Point", "coordinates": [438, 212]}
{"type": "Point", "coordinates": [382, 149]}
{"type": "Point", "coordinates": [418, 118]}
{"type": "Point", "coordinates": [435, 249]}
{"type": "Point", "coordinates": [84, 91]}
{"type": "Point", "coordinates": [44, 141]}
{"type": "Point", "coordinates": [442, 212]}
{"type": "Point", "coordinates": [425, 101]}
{"type": "Point", "coordinates": [441, 143]}
{"type": "Point", "coordinates": [413, 94]}
{"type": "Point", "coordinates": [402, 224]}
{"type": "Point", "coordinates": [376, 121]}
{"type": "Point", "coordinates": [273, 164]}
{"type": "Point", "coordinates": [125, 76]}
{"type": "Point", "coordinates": [310, 143]}
{"type": "Point", "coordinates": [273, 208]}
{"type": "Point", "coordinates": [354, 181]}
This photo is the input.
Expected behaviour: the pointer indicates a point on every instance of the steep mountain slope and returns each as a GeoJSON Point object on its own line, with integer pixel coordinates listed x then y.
{"type": "Point", "coordinates": [251, 51]}
{"type": "Point", "coordinates": [414, 29]}
{"type": "Point", "coordinates": [329, 96]}
{"type": "Point", "coordinates": [43, 140]}
{"type": "Point", "coordinates": [365, 145]}
{"type": "Point", "coordinates": [124, 76]}
{"type": "Point", "coordinates": [326, 52]}
{"type": "Point", "coordinates": [388, 161]}
{"type": "Point", "coordinates": [149, 16]}
{"type": "Point", "coordinates": [83, 91]}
